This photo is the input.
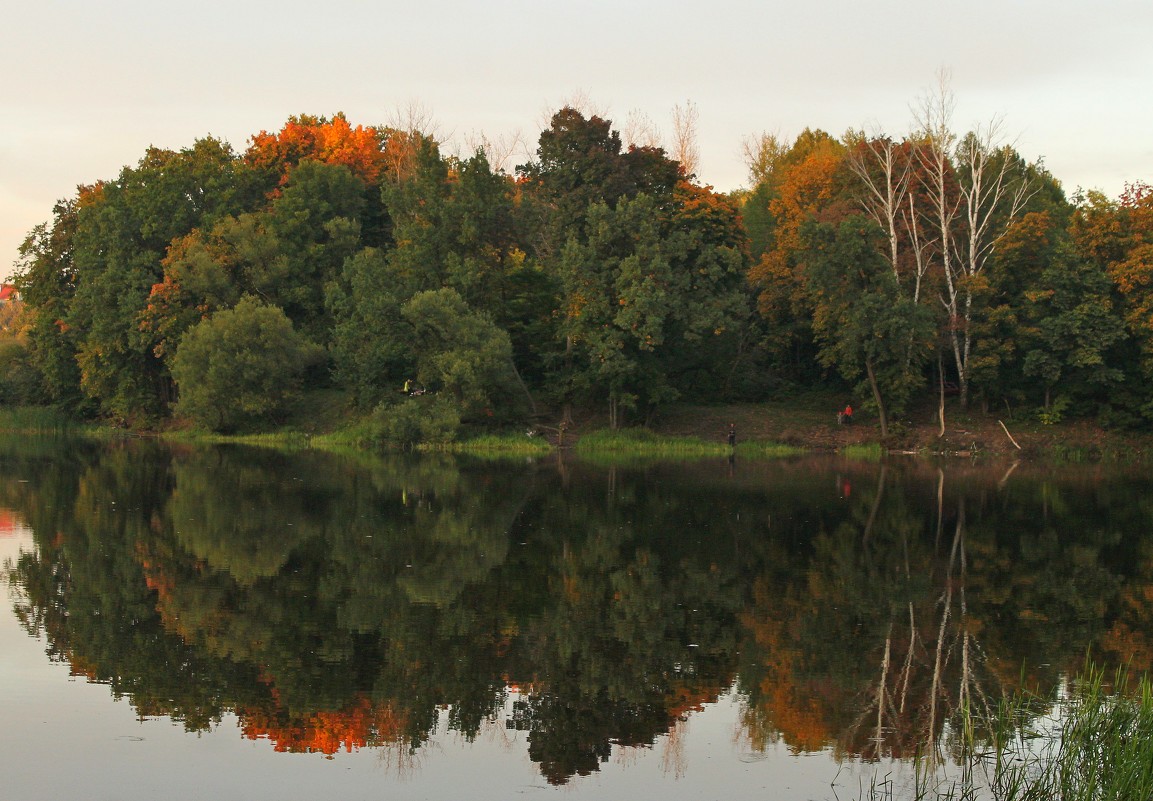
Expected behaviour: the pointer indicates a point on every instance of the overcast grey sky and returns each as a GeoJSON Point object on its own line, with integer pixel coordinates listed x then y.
{"type": "Point", "coordinates": [89, 85]}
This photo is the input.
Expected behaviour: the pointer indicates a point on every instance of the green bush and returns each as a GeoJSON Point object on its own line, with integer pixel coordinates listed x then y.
{"type": "Point", "coordinates": [240, 368]}
{"type": "Point", "coordinates": [429, 419]}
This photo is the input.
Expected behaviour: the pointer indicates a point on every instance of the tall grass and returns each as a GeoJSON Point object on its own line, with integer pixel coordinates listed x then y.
{"type": "Point", "coordinates": [640, 442]}
{"type": "Point", "coordinates": [283, 440]}
{"type": "Point", "coordinates": [35, 420]}
{"type": "Point", "coordinates": [869, 451]}
{"type": "Point", "coordinates": [496, 446]}
{"type": "Point", "coordinates": [1097, 745]}
{"type": "Point", "coordinates": [1094, 743]}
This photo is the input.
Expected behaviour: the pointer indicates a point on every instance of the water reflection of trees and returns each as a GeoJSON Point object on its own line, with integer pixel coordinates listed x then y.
{"type": "Point", "coordinates": [916, 608]}
{"type": "Point", "coordinates": [334, 605]}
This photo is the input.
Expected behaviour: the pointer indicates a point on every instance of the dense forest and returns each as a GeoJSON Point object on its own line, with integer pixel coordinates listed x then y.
{"type": "Point", "coordinates": [439, 293]}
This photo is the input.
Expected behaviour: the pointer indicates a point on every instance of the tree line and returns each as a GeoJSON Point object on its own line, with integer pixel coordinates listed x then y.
{"type": "Point", "coordinates": [439, 292]}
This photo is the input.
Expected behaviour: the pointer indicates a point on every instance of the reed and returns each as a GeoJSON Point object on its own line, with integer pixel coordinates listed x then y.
{"type": "Point", "coordinates": [868, 451]}
{"type": "Point", "coordinates": [640, 442]}
{"type": "Point", "coordinates": [35, 420]}
{"type": "Point", "coordinates": [1094, 743]}
{"type": "Point", "coordinates": [495, 446]}
{"type": "Point", "coordinates": [1097, 745]}
{"type": "Point", "coordinates": [285, 440]}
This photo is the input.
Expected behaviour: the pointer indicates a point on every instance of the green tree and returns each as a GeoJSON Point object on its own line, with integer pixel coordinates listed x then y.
{"type": "Point", "coordinates": [240, 366]}
{"type": "Point", "coordinates": [863, 321]}
{"type": "Point", "coordinates": [123, 229]}
{"type": "Point", "coordinates": [46, 277]}
{"type": "Point", "coordinates": [369, 341]}
{"type": "Point", "coordinates": [580, 163]}
{"type": "Point", "coordinates": [1076, 326]}
{"type": "Point", "coordinates": [616, 305]}
{"type": "Point", "coordinates": [461, 353]}
{"type": "Point", "coordinates": [316, 225]}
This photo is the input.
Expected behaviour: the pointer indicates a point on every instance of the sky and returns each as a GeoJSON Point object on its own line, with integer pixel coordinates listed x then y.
{"type": "Point", "coordinates": [88, 86]}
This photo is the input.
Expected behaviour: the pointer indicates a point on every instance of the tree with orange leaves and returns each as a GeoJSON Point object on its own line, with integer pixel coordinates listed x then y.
{"type": "Point", "coordinates": [1119, 236]}
{"type": "Point", "coordinates": [808, 182]}
{"type": "Point", "coordinates": [334, 141]}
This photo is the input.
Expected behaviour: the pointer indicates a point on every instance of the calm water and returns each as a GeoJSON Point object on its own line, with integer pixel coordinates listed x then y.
{"type": "Point", "coordinates": [216, 623]}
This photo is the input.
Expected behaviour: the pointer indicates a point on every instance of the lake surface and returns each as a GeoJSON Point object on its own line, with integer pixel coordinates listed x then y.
{"type": "Point", "coordinates": [213, 623]}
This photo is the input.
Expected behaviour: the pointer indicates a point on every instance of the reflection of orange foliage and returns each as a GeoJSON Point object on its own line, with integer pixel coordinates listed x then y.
{"type": "Point", "coordinates": [794, 710]}
{"type": "Point", "coordinates": [192, 623]}
{"type": "Point", "coordinates": [81, 666]}
{"type": "Point", "coordinates": [681, 699]}
{"type": "Point", "coordinates": [155, 577]}
{"type": "Point", "coordinates": [1129, 636]}
{"type": "Point", "coordinates": [10, 524]}
{"type": "Point", "coordinates": [358, 725]}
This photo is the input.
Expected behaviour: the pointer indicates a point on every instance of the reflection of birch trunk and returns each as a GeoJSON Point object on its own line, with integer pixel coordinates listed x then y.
{"type": "Point", "coordinates": [940, 506]}
{"type": "Point", "coordinates": [908, 659]}
{"type": "Point", "coordinates": [966, 669]}
{"type": "Point", "coordinates": [673, 759]}
{"type": "Point", "coordinates": [970, 687]}
{"type": "Point", "coordinates": [881, 687]}
{"type": "Point", "coordinates": [939, 660]}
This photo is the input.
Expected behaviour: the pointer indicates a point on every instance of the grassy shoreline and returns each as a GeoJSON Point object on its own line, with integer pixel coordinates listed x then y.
{"type": "Point", "coordinates": [768, 430]}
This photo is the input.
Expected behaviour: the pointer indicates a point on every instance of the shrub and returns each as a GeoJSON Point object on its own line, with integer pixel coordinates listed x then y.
{"type": "Point", "coordinates": [241, 367]}
{"type": "Point", "coordinates": [429, 419]}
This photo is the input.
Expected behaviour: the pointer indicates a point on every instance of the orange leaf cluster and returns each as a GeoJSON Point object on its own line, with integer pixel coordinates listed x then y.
{"type": "Point", "coordinates": [356, 726]}
{"type": "Point", "coordinates": [334, 141]}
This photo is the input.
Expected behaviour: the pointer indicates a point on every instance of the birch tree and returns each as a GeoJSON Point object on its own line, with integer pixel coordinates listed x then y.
{"type": "Point", "coordinates": [974, 191]}
{"type": "Point", "coordinates": [885, 169]}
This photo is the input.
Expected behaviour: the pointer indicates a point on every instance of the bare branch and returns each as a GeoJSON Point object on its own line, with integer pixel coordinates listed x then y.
{"type": "Point", "coordinates": [685, 148]}
{"type": "Point", "coordinates": [762, 152]}
{"type": "Point", "coordinates": [641, 131]}
{"type": "Point", "coordinates": [500, 151]}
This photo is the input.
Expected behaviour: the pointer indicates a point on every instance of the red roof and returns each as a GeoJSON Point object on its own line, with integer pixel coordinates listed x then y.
{"type": "Point", "coordinates": [7, 292]}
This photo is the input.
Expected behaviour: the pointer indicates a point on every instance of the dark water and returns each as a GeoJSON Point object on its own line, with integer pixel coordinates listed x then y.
{"type": "Point", "coordinates": [219, 623]}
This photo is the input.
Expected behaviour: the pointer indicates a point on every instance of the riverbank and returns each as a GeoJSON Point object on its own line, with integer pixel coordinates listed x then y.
{"type": "Point", "coordinates": [810, 423]}
{"type": "Point", "coordinates": [776, 427]}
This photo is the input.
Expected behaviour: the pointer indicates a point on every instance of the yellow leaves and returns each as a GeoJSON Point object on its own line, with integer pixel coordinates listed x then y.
{"type": "Point", "coordinates": [1134, 272]}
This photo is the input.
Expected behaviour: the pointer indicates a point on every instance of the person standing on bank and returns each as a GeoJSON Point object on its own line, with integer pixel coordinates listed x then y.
{"type": "Point", "coordinates": [732, 435]}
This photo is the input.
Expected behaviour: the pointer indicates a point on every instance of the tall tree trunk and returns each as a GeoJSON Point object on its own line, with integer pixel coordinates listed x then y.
{"type": "Point", "coordinates": [877, 398]}
{"type": "Point", "coordinates": [524, 387]}
{"type": "Point", "coordinates": [566, 408]}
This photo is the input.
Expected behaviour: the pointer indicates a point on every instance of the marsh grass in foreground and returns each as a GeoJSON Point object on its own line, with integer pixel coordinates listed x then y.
{"type": "Point", "coordinates": [1095, 743]}
{"type": "Point", "coordinates": [1098, 745]}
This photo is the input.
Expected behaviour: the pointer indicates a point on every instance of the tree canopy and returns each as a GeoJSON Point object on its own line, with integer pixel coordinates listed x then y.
{"type": "Point", "coordinates": [601, 275]}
